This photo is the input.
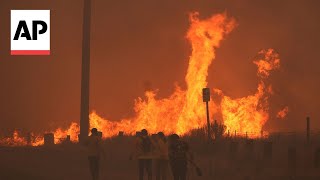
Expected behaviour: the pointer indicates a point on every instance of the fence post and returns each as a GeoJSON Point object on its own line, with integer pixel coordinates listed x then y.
{"type": "Point", "coordinates": [308, 129]}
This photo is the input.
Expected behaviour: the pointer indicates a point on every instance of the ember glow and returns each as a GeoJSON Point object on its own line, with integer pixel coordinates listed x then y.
{"type": "Point", "coordinates": [283, 113]}
{"type": "Point", "coordinates": [184, 110]}
{"type": "Point", "coordinates": [15, 140]}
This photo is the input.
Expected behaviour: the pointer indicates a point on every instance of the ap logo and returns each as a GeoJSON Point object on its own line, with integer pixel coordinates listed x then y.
{"type": "Point", "coordinates": [30, 32]}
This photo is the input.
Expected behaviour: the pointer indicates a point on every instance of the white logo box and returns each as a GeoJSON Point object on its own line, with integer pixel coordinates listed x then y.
{"type": "Point", "coordinates": [22, 46]}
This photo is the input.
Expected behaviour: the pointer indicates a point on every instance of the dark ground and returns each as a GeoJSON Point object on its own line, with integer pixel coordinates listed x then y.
{"type": "Point", "coordinates": [68, 161]}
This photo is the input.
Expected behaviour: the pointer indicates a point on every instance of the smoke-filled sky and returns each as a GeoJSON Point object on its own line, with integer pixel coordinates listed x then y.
{"type": "Point", "coordinates": [141, 45]}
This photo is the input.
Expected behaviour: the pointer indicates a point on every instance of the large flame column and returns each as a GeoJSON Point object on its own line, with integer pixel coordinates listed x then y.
{"type": "Point", "coordinates": [85, 73]}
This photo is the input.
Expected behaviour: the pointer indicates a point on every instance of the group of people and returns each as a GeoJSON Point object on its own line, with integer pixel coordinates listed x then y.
{"type": "Point", "coordinates": [161, 152]}
{"type": "Point", "coordinates": [153, 153]}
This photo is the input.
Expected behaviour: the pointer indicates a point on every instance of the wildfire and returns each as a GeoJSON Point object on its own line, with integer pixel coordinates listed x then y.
{"type": "Point", "coordinates": [184, 110]}
{"type": "Point", "coordinates": [247, 115]}
{"type": "Point", "coordinates": [73, 131]}
{"type": "Point", "coordinates": [15, 140]}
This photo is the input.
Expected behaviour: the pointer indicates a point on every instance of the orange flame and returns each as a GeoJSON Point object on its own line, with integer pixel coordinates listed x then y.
{"type": "Point", "coordinates": [184, 110]}
{"type": "Point", "coordinates": [37, 140]}
{"type": "Point", "coordinates": [73, 131]}
{"type": "Point", "coordinates": [15, 140]}
{"type": "Point", "coordinates": [247, 115]}
{"type": "Point", "coordinates": [283, 113]}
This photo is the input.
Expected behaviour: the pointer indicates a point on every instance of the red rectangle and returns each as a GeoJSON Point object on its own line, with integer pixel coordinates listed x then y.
{"type": "Point", "coordinates": [30, 52]}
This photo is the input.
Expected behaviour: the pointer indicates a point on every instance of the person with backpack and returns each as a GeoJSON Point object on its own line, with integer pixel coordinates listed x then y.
{"type": "Point", "coordinates": [144, 154]}
{"type": "Point", "coordinates": [178, 157]}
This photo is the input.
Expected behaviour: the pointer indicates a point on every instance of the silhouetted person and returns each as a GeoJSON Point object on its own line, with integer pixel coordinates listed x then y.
{"type": "Point", "coordinates": [162, 157]}
{"type": "Point", "coordinates": [144, 155]}
{"type": "Point", "coordinates": [136, 151]}
{"type": "Point", "coordinates": [94, 152]}
{"type": "Point", "coordinates": [178, 157]}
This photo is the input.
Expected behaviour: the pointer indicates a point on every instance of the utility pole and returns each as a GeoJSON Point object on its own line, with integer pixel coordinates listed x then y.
{"type": "Point", "coordinates": [206, 99]}
{"type": "Point", "coordinates": [85, 73]}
